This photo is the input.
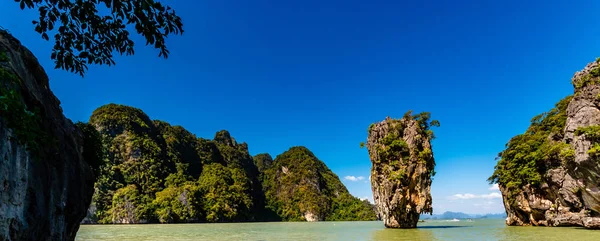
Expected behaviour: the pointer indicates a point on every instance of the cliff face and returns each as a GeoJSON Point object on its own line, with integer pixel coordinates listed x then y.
{"type": "Point", "coordinates": [582, 132]}
{"type": "Point", "coordinates": [155, 172]}
{"type": "Point", "coordinates": [549, 175]}
{"type": "Point", "coordinates": [46, 184]}
{"type": "Point", "coordinates": [237, 156]}
{"type": "Point", "coordinates": [402, 167]}
{"type": "Point", "coordinates": [136, 166]}
{"type": "Point", "coordinates": [300, 187]}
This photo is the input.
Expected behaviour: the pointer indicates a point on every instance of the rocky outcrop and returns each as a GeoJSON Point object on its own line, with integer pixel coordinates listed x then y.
{"type": "Point", "coordinates": [582, 132]}
{"type": "Point", "coordinates": [263, 161]}
{"type": "Point", "coordinates": [300, 187]}
{"type": "Point", "coordinates": [45, 184]}
{"type": "Point", "coordinates": [591, 223]}
{"type": "Point", "coordinates": [311, 217]}
{"type": "Point", "coordinates": [563, 188]}
{"type": "Point", "coordinates": [155, 172]}
{"type": "Point", "coordinates": [402, 167]}
{"type": "Point", "coordinates": [137, 165]}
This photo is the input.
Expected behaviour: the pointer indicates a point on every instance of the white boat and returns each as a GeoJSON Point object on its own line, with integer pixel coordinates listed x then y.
{"type": "Point", "coordinates": [454, 220]}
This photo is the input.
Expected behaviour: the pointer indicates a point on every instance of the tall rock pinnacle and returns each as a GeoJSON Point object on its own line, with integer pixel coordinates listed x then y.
{"type": "Point", "coordinates": [402, 167]}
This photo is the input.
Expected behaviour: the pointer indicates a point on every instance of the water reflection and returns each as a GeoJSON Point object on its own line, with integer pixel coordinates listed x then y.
{"type": "Point", "coordinates": [441, 230]}
{"type": "Point", "coordinates": [419, 234]}
{"type": "Point", "coordinates": [333, 231]}
{"type": "Point", "coordinates": [426, 227]}
{"type": "Point", "coordinates": [547, 233]}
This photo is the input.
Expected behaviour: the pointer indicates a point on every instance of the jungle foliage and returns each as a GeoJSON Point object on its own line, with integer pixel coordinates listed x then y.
{"type": "Point", "coordinates": [151, 171]}
{"type": "Point", "coordinates": [528, 156]}
{"type": "Point", "coordinates": [299, 183]}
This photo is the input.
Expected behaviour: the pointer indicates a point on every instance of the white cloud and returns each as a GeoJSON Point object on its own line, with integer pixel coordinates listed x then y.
{"type": "Point", "coordinates": [492, 195]}
{"type": "Point", "coordinates": [473, 196]}
{"type": "Point", "coordinates": [486, 204]}
{"type": "Point", "coordinates": [463, 196]}
{"type": "Point", "coordinates": [494, 187]}
{"type": "Point", "coordinates": [354, 179]}
{"type": "Point", "coordinates": [366, 198]}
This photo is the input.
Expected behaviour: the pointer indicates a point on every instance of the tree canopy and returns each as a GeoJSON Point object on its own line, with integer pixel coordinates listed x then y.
{"type": "Point", "coordinates": [528, 156]}
{"type": "Point", "coordinates": [89, 32]}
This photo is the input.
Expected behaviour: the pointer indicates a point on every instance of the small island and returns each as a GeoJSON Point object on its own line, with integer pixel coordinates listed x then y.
{"type": "Point", "coordinates": [402, 168]}
{"type": "Point", "coordinates": [548, 176]}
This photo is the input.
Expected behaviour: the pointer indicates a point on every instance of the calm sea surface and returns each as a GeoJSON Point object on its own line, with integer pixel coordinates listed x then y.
{"type": "Point", "coordinates": [491, 229]}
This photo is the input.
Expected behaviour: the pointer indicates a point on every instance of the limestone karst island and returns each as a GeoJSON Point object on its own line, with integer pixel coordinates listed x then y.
{"type": "Point", "coordinates": [299, 120]}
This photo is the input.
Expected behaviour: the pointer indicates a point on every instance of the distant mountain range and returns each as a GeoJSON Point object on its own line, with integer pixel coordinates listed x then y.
{"type": "Point", "coordinates": [459, 215]}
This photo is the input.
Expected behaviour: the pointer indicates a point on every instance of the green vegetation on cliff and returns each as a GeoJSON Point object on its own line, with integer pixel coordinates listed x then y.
{"type": "Point", "coordinates": [592, 77]}
{"type": "Point", "coordinates": [263, 161]}
{"type": "Point", "coordinates": [155, 172]}
{"type": "Point", "coordinates": [402, 167]}
{"type": "Point", "coordinates": [393, 148]}
{"type": "Point", "coordinates": [591, 133]}
{"type": "Point", "coordinates": [298, 185]}
{"type": "Point", "coordinates": [528, 156]}
{"type": "Point", "coordinates": [226, 194]}
{"type": "Point", "coordinates": [24, 120]}
{"type": "Point", "coordinates": [134, 168]}
{"type": "Point", "coordinates": [179, 203]}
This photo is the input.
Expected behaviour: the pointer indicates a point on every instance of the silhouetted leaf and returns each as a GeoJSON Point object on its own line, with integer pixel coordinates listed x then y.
{"type": "Point", "coordinates": [83, 29]}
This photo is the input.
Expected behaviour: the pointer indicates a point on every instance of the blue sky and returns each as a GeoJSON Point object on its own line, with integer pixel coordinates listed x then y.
{"type": "Point", "coordinates": [316, 73]}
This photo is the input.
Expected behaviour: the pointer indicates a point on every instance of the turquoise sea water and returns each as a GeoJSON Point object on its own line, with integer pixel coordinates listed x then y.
{"type": "Point", "coordinates": [490, 229]}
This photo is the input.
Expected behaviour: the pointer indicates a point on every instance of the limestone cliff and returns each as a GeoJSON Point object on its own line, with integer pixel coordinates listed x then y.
{"type": "Point", "coordinates": [402, 168]}
{"type": "Point", "coordinates": [300, 187]}
{"type": "Point", "coordinates": [550, 175]}
{"type": "Point", "coordinates": [136, 166]}
{"type": "Point", "coordinates": [155, 172]}
{"type": "Point", "coordinates": [46, 183]}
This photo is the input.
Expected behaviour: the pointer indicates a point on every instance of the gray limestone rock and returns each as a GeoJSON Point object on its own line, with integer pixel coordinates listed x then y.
{"type": "Point", "coordinates": [44, 192]}
{"type": "Point", "coordinates": [570, 193]}
{"type": "Point", "coordinates": [402, 166]}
